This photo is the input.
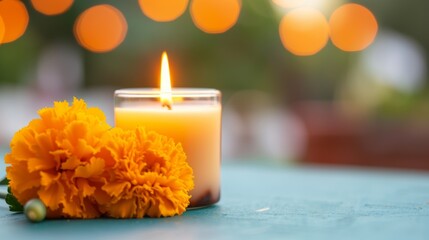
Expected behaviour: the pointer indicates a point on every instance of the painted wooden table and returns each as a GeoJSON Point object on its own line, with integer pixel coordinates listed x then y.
{"type": "Point", "coordinates": [270, 202]}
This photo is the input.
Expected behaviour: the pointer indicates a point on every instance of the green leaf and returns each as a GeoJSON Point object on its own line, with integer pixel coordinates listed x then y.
{"type": "Point", "coordinates": [14, 205]}
{"type": "Point", "coordinates": [5, 181]}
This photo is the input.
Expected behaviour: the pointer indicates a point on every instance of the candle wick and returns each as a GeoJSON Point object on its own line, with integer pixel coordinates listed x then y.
{"type": "Point", "coordinates": [167, 105]}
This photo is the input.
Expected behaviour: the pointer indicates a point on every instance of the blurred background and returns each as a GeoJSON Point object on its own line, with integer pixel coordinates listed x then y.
{"type": "Point", "coordinates": [303, 81]}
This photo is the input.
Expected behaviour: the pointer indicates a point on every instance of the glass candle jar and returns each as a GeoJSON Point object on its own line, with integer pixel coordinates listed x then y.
{"type": "Point", "coordinates": [192, 118]}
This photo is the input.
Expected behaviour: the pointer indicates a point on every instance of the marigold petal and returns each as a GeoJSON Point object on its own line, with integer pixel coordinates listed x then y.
{"type": "Point", "coordinates": [105, 154]}
{"type": "Point", "coordinates": [24, 196]}
{"type": "Point", "coordinates": [60, 107]}
{"type": "Point", "coordinates": [76, 134]}
{"type": "Point", "coordinates": [36, 125]}
{"type": "Point", "coordinates": [71, 163]}
{"type": "Point", "coordinates": [93, 168]}
{"type": "Point", "coordinates": [90, 210]}
{"type": "Point", "coordinates": [84, 149]}
{"type": "Point", "coordinates": [20, 145]}
{"type": "Point", "coordinates": [48, 179]}
{"type": "Point", "coordinates": [78, 104]}
{"type": "Point", "coordinates": [44, 143]}
{"type": "Point", "coordinates": [153, 209]}
{"type": "Point", "coordinates": [101, 197]}
{"type": "Point", "coordinates": [124, 208]}
{"type": "Point", "coordinates": [116, 188]}
{"type": "Point", "coordinates": [21, 179]}
{"type": "Point", "coordinates": [97, 112]}
{"type": "Point", "coordinates": [167, 207]}
{"type": "Point", "coordinates": [76, 131]}
{"type": "Point", "coordinates": [52, 195]}
{"type": "Point", "coordinates": [37, 164]}
{"type": "Point", "coordinates": [84, 187]}
{"type": "Point", "coordinates": [51, 117]}
{"type": "Point", "coordinates": [72, 208]}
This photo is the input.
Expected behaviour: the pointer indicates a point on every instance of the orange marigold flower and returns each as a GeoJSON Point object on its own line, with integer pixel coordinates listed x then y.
{"type": "Point", "coordinates": [150, 176]}
{"type": "Point", "coordinates": [55, 159]}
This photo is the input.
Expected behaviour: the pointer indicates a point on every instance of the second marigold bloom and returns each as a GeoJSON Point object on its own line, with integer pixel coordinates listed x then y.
{"type": "Point", "coordinates": [149, 175]}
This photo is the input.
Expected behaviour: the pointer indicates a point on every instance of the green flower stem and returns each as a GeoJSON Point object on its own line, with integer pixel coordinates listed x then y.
{"type": "Point", "coordinates": [3, 195]}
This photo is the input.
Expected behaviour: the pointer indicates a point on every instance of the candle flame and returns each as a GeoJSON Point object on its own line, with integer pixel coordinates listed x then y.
{"type": "Point", "coordinates": [166, 95]}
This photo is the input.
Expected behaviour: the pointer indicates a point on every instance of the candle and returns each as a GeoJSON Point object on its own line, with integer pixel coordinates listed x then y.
{"type": "Point", "coordinates": [190, 116]}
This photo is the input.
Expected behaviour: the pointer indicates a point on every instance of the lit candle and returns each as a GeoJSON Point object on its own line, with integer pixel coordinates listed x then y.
{"type": "Point", "coordinates": [190, 116]}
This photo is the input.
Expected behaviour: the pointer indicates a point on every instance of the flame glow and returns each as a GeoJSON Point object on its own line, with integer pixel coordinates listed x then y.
{"type": "Point", "coordinates": [166, 98]}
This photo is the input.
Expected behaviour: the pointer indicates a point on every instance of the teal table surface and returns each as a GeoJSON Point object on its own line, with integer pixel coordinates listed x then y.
{"type": "Point", "coordinates": [270, 202]}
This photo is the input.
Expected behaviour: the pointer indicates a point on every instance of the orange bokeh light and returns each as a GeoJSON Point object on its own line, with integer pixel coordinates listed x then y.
{"type": "Point", "coordinates": [1, 29]}
{"type": "Point", "coordinates": [304, 31]}
{"type": "Point", "coordinates": [163, 10]}
{"type": "Point", "coordinates": [100, 28]}
{"type": "Point", "coordinates": [15, 19]}
{"type": "Point", "coordinates": [215, 16]}
{"type": "Point", "coordinates": [51, 7]}
{"type": "Point", "coordinates": [289, 3]}
{"type": "Point", "coordinates": [353, 27]}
